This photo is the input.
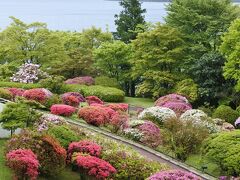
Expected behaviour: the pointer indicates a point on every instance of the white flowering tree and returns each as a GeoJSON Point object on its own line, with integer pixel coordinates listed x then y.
{"type": "Point", "coordinates": [28, 73]}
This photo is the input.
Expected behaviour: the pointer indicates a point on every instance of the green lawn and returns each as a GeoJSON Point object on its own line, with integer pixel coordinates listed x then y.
{"type": "Point", "coordinates": [140, 102]}
{"type": "Point", "coordinates": [5, 172]}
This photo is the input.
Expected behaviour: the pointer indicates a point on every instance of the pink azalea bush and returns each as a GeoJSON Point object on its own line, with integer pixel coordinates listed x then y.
{"type": "Point", "coordinates": [174, 175]}
{"type": "Point", "coordinates": [151, 134]}
{"type": "Point", "coordinates": [62, 110]}
{"type": "Point", "coordinates": [118, 107]}
{"type": "Point", "coordinates": [24, 163]}
{"type": "Point", "coordinates": [72, 98]}
{"type": "Point", "coordinates": [16, 91]}
{"type": "Point", "coordinates": [84, 146]}
{"type": "Point", "coordinates": [178, 107]}
{"type": "Point", "coordinates": [94, 166]}
{"type": "Point", "coordinates": [171, 98]}
{"type": "Point", "coordinates": [93, 100]}
{"type": "Point", "coordinates": [119, 121]}
{"type": "Point", "coordinates": [85, 80]}
{"type": "Point", "coordinates": [46, 119]}
{"type": "Point", "coordinates": [39, 94]}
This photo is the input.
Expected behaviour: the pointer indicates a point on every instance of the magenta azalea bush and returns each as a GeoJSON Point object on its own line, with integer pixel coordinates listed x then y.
{"type": "Point", "coordinates": [85, 80]}
{"type": "Point", "coordinates": [178, 107]}
{"type": "Point", "coordinates": [174, 175]}
{"type": "Point", "coordinates": [24, 163]}
{"type": "Point", "coordinates": [72, 98]}
{"type": "Point", "coordinates": [171, 98]}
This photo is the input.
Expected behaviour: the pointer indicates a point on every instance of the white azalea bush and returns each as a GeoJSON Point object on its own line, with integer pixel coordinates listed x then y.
{"type": "Point", "coordinates": [134, 123]}
{"type": "Point", "coordinates": [200, 118]}
{"type": "Point", "coordinates": [157, 114]}
{"type": "Point", "coordinates": [133, 134]}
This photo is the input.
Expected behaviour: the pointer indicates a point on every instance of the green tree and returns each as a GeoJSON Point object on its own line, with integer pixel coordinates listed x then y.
{"type": "Point", "coordinates": [79, 48]}
{"type": "Point", "coordinates": [128, 20]}
{"type": "Point", "coordinates": [156, 57]}
{"type": "Point", "coordinates": [17, 115]}
{"type": "Point", "coordinates": [112, 59]}
{"type": "Point", "coordinates": [202, 21]}
{"type": "Point", "coordinates": [20, 42]}
{"type": "Point", "coordinates": [231, 49]}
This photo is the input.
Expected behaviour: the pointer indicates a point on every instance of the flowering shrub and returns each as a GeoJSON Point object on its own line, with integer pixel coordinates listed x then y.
{"type": "Point", "coordinates": [237, 123]}
{"type": "Point", "coordinates": [118, 121]}
{"type": "Point", "coordinates": [157, 114]}
{"type": "Point", "coordinates": [39, 94]}
{"type": "Point", "coordinates": [171, 98]}
{"type": "Point", "coordinates": [84, 146]}
{"type": "Point", "coordinates": [50, 154]}
{"type": "Point", "coordinates": [72, 98]}
{"type": "Point", "coordinates": [16, 91]}
{"type": "Point", "coordinates": [24, 163]}
{"type": "Point", "coordinates": [151, 134]}
{"type": "Point", "coordinates": [6, 94]}
{"type": "Point", "coordinates": [134, 123]}
{"type": "Point", "coordinates": [28, 73]}
{"type": "Point", "coordinates": [94, 115]}
{"type": "Point", "coordinates": [62, 109]}
{"type": "Point", "coordinates": [47, 119]}
{"type": "Point", "coordinates": [96, 167]}
{"type": "Point", "coordinates": [173, 175]}
{"type": "Point", "coordinates": [94, 100]}
{"type": "Point", "coordinates": [199, 118]}
{"type": "Point", "coordinates": [118, 107]}
{"type": "Point", "coordinates": [133, 134]}
{"type": "Point", "coordinates": [85, 80]}
{"type": "Point", "coordinates": [178, 107]}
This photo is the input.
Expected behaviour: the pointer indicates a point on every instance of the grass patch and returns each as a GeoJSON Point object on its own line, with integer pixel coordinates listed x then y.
{"type": "Point", "coordinates": [197, 162]}
{"type": "Point", "coordinates": [5, 172]}
{"type": "Point", "coordinates": [140, 102]}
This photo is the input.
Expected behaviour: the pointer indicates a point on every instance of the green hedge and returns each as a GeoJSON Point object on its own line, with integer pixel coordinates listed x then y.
{"type": "Point", "coordinates": [226, 113]}
{"type": "Point", "coordinates": [18, 85]}
{"type": "Point", "coordinates": [108, 94]}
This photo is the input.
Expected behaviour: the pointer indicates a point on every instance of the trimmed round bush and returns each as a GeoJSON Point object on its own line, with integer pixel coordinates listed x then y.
{"type": "Point", "coordinates": [94, 100]}
{"type": "Point", "coordinates": [40, 95]}
{"type": "Point", "coordinates": [54, 99]}
{"type": "Point", "coordinates": [94, 166]}
{"type": "Point", "coordinates": [62, 110]}
{"type": "Point", "coordinates": [174, 175]}
{"type": "Point", "coordinates": [85, 80]}
{"type": "Point", "coordinates": [226, 113]}
{"type": "Point", "coordinates": [94, 115]}
{"type": "Point", "coordinates": [24, 163]}
{"type": "Point", "coordinates": [157, 114]}
{"type": "Point", "coordinates": [5, 94]}
{"type": "Point", "coordinates": [72, 98]}
{"type": "Point", "coordinates": [171, 98]}
{"type": "Point", "coordinates": [118, 122]}
{"type": "Point", "coordinates": [48, 150]}
{"type": "Point", "coordinates": [118, 106]}
{"type": "Point", "coordinates": [178, 107]}
{"type": "Point", "coordinates": [223, 149]}
{"type": "Point", "coordinates": [199, 118]}
{"type": "Point", "coordinates": [64, 134]}
{"type": "Point", "coordinates": [84, 146]}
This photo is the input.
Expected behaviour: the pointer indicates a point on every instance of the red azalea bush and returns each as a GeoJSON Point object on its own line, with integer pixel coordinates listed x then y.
{"type": "Point", "coordinates": [72, 98]}
{"type": "Point", "coordinates": [118, 107]}
{"type": "Point", "coordinates": [16, 91]}
{"type": "Point", "coordinates": [85, 80]}
{"type": "Point", "coordinates": [39, 94]}
{"type": "Point", "coordinates": [94, 166]}
{"type": "Point", "coordinates": [24, 163]}
{"type": "Point", "coordinates": [94, 115]}
{"type": "Point", "coordinates": [174, 175]}
{"type": "Point", "coordinates": [93, 100]}
{"type": "Point", "coordinates": [151, 134]}
{"type": "Point", "coordinates": [84, 146]}
{"type": "Point", "coordinates": [62, 110]}
{"type": "Point", "coordinates": [178, 107]}
{"type": "Point", "coordinates": [51, 155]}
{"type": "Point", "coordinates": [119, 121]}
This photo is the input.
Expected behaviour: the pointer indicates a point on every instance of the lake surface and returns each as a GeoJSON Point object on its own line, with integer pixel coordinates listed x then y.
{"type": "Point", "coordinates": [72, 14]}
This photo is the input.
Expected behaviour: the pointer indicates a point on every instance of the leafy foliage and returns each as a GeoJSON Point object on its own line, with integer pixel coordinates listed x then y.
{"type": "Point", "coordinates": [106, 81]}
{"type": "Point", "coordinates": [54, 84]}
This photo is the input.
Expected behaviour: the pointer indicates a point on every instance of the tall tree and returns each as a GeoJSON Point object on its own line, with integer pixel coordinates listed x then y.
{"type": "Point", "coordinates": [20, 42]}
{"type": "Point", "coordinates": [156, 56]}
{"type": "Point", "coordinates": [128, 20]}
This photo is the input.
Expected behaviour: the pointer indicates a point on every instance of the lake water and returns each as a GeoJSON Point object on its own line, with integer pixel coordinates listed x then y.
{"type": "Point", "coordinates": [72, 14]}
